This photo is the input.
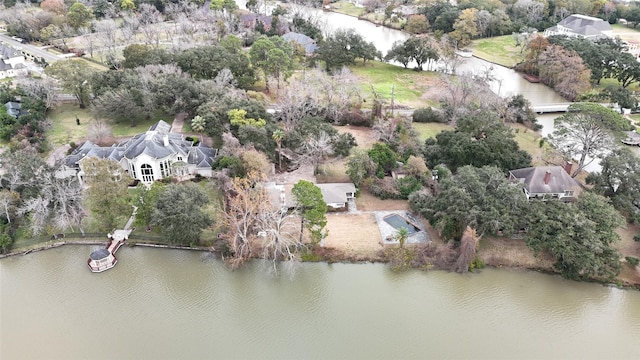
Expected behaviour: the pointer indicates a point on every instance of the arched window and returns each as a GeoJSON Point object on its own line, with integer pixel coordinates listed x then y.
{"type": "Point", "coordinates": [147, 173]}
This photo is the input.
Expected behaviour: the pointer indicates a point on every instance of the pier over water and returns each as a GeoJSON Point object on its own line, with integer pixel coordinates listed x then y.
{"type": "Point", "coordinates": [104, 259]}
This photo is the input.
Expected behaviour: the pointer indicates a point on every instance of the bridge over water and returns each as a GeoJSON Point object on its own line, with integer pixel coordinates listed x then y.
{"type": "Point", "coordinates": [562, 107]}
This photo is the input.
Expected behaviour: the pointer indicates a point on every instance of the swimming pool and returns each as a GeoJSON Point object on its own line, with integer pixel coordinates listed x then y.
{"type": "Point", "coordinates": [398, 222]}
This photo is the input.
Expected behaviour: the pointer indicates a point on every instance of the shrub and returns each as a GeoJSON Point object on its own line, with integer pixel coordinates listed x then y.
{"type": "Point", "coordinates": [310, 256]}
{"type": "Point", "coordinates": [428, 115]}
{"type": "Point", "coordinates": [477, 263]}
{"type": "Point", "coordinates": [633, 261]}
{"type": "Point", "coordinates": [636, 237]}
{"type": "Point", "coordinates": [355, 118]}
{"type": "Point", "coordinates": [385, 188]}
{"type": "Point", "coordinates": [408, 185]}
{"type": "Point", "coordinates": [343, 143]}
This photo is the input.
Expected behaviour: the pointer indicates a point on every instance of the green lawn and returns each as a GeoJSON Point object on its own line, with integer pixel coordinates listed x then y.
{"type": "Point", "coordinates": [65, 129]}
{"type": "Point", "coordinates": [407, 85]}
{"type": "Point", "coordinates": [624, 29]}
{"type": "Point", "coordinates": [347, 8]}
{"type": "Point", "coordinates": [124, 128]}
{"type": "Point", "coordinates": [430, 130]}
{"type": "Point", "coordinates": [608, 81]}
{"type": "Point", "coordinates": [500, 50]}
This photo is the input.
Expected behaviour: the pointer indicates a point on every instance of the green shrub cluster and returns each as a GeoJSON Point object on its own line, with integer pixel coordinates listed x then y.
{"type": "Point", "coordinates": [428, 115]}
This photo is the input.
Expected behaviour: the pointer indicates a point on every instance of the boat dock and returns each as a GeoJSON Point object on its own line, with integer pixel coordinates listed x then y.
{"type": "Point", "coordinates": [104, 259]}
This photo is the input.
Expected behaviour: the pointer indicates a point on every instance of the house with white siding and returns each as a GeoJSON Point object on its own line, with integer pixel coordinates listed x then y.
{"type": "Point", "coordinates": [12, 62]}
{"type": "Point", "coordinates": [147, 157]}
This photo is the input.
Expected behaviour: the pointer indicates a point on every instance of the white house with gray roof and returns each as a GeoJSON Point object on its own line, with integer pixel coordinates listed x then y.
{"type": "Point", "coordinates": [150, 156]}
{"type": "Point", "coordinates": [12, 62]}
{"type": "Point", "coordinates": [547, 182]}
{"type": "Point", "coordinates": [584, 26]}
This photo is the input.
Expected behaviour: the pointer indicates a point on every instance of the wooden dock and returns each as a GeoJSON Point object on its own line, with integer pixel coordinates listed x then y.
{"type": "Point", "coordinates": [105, 258]}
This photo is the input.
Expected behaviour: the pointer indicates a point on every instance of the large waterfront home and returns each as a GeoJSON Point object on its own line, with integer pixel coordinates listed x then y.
{"type": "Point", "coordinates": [577, 25]}
{"type": "Point", "coordinates": [147, 157]}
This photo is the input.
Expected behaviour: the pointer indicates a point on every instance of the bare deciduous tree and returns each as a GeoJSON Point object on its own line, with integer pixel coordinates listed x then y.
{"type": "Point", "coordinates": [9, 201]}
{"type": "Point", "coordinates": [59, 204]}
{"type": "Point", "coordinates": [468, 246]}
{"type": "Point", "coordinates": [315, 149]}
{"type": "Point", "coordinates": [43, 89]}
{"type": "Point", "coordinates": [244, 204]}
{"type": "Point", "coordinates": [99, 131]}
{"type": "Point", "coordinates": [280, 232]}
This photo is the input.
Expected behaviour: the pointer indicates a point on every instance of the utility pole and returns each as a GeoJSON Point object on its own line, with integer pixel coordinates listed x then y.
{"type": "Point", "coordinates": [393, 97]}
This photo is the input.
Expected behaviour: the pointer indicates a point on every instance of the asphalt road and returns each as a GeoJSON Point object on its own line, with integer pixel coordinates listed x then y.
{"type": "Point", "coordinates": [30, 49]}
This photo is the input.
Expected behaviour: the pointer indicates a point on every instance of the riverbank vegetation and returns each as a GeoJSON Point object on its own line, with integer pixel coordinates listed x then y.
{"type": "Point", "coordinates": [279, 117]}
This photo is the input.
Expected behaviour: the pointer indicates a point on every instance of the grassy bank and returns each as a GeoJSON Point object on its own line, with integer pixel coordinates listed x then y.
{"type": "Point", "coordinates": [500, 50]}
{"type": "Point", "coordinates": [347, 8]}
{"type": "Point", "coordinates": [407, 85]}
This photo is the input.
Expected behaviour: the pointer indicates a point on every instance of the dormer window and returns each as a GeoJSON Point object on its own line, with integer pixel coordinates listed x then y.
{"type": "Point", "coordinates": [179, 158]}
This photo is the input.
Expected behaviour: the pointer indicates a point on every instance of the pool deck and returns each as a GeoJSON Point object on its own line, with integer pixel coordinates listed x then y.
{"type": "Point", "coordinates": [388, 232]}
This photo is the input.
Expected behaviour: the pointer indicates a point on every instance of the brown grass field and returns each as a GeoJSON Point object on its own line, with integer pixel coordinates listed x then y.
{"type": "Point", "coordinates": [357, 235]}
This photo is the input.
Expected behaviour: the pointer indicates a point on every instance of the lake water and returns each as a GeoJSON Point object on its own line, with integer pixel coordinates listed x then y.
{"type": "Point", "coordinates": [164, 304]}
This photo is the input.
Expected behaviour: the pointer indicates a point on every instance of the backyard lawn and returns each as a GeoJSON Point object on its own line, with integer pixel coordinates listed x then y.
{"type": "Point", "coordinates": [430, 130]}
{"type": "Point", "coordinates": [408, 86]}
{"type": "Point", "coordinates": [65, 130]}
{"type": "Point", "coordinates": [347, 8]}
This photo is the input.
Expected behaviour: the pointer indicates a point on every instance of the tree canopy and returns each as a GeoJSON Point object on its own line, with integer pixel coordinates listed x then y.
{"type": "Point", "coordinates": [619, 180]}
{"type": "Point", "coordinates": [478, 140]}
{"type": "Point", "coordinates": [179, 213]}
{"type": "Point", "coordinates": [312, 207]}
{"type": "Point", "coordinates": [479, 197]}
{"type": "Point", "coordinates": [586, 133]}
{"type": "Point", "coordinates": [74, 76]}
{"type": "Point", "coordinates": [343, 48]}
{"type": "Point", "coordinates": [579, 235]}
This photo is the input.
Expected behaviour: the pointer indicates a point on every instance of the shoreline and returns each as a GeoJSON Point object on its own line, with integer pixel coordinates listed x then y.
{"type": "Point", "coordinates": [57, 244]}
{"type": "Point", "coordinates": [331, 256]}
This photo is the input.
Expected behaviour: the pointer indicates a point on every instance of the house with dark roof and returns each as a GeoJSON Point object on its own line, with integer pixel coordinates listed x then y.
{"type": "Point", "coordinates": [12, 62]}
{"type": "Point", "coordinates": [547, 182]}
{"type": "Point", "coordinates": [150, 156]}
{"type": "Point", "coordinates": [303, 40]}
{"type": "Point", "coordinates": [577, 25]}
{"type": "Point", "coordinates": [13, 108]}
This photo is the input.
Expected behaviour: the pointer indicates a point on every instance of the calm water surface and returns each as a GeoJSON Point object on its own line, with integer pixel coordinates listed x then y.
{"type": "Point", "coordinates": [178, 304]}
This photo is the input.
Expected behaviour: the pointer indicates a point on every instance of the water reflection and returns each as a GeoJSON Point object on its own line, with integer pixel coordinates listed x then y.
{"type": "Point", "coordinates": [179, 304]}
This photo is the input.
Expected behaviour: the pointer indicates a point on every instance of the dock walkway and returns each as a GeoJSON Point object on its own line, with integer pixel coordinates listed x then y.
{"type": "Point", "coordinates": [104, 259]}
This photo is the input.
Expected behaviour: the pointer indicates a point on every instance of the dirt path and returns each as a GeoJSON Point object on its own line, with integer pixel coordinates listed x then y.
{"type": "Point", "coordinates": [177, 126]}
{"type": "Point", "coordinates": [58, 154]}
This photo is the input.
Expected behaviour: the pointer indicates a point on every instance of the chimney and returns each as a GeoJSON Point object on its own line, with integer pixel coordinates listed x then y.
{"type": "Point", "coordinates": [547, 177]}
{"type": "Point", "coordinates": [165, 139]}
{"type": "Point", "coordinates": [567, 167]}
